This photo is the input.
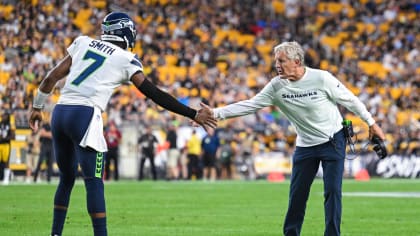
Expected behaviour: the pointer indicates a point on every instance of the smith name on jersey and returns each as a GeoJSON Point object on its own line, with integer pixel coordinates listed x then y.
{"type": "Point", "coordinates": [98, 67]}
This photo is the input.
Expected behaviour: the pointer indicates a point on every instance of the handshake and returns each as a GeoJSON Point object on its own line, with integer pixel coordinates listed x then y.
{"type": "Point", "coordinates": [205, 117]}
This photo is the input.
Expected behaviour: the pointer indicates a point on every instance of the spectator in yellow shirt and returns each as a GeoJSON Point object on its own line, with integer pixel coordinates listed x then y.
{"type": "Point", "coordinates": [193, 153]}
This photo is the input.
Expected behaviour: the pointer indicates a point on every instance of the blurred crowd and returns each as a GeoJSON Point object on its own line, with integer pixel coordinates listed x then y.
{"type": "Point", "coordinates": [220, 51]}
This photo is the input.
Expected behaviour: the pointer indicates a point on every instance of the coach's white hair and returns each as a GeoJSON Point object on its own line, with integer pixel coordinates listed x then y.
{"type": "Point", "coordinates": [293, 51]}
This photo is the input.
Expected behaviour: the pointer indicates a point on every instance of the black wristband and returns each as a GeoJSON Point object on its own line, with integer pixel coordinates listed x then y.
{"type": "Point", "coordinates": [165, 100]}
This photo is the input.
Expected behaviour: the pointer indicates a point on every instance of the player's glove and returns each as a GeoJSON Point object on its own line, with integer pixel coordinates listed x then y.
{"type": "Point", "coordinates": [379, 147]}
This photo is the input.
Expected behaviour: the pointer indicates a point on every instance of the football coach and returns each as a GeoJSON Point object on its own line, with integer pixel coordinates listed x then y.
{"type": "Point", "coordinates": [309, 98]}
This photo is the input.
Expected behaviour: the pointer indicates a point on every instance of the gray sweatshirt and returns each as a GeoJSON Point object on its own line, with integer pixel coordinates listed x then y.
{"type": "Point", "coordinates": [310, 104]}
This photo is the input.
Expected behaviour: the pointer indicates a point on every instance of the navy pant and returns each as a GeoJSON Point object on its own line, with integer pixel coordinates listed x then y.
{"type": "Point", "coordinates": [68, 125]}
{"type": "Point", "coordinates": [306, 162]}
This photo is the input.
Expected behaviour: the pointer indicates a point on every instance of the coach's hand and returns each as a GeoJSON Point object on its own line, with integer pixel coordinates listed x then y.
{"type": "Point", "coordinates": [375, 130]}
{"type": "Point", "coordinates": [205, 117]}
{"type": "Point", "coordinates": [35, 119]}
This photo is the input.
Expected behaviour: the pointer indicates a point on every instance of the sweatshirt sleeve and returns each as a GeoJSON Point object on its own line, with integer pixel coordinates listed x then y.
{"type": "Point", "coordinates": [341, 95]}
{"type": "Point", "coordinates": [245, 107]}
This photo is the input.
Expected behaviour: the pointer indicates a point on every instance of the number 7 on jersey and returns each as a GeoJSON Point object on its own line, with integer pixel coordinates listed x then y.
{"type": "Point", "coordinates": [98, 60]}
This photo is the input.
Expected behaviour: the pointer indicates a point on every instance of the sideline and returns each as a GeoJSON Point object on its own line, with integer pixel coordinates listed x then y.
{"type": "Point", "coordinates": [383, 194]}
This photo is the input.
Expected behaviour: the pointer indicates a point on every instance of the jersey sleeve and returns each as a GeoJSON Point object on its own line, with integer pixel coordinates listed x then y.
{"type": "Point", "coordinates": [133, 66]}
{"type": "Point", "coordinates": [73, 46]}
{"type": "Point", "coordinates": [342, 95]}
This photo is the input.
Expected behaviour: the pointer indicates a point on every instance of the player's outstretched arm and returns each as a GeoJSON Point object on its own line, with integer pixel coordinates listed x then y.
{"type": "Point", "coordinates": [203, 117]}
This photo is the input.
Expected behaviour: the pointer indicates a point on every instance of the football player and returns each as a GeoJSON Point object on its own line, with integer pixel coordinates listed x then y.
{"type": "Point", "coordinates": [94, 68]}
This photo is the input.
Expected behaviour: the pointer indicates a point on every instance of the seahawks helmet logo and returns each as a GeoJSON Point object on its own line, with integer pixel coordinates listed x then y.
{"type": "Point", "coordinates": [118, 26]}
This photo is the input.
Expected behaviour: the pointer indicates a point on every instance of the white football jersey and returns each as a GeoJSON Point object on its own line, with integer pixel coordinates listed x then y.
{"type": "Point", "coordinates": [98, 67]}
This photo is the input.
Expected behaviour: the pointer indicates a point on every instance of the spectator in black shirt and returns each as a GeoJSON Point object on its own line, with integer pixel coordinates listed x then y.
{"type": "Point", "coordinates": [46, 152]}
{"type": "Point", "coordinates": [147, 145]}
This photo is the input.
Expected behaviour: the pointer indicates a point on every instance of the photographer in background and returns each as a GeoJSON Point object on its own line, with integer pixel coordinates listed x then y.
{"type": "Point", "coordinates": [308, 97]}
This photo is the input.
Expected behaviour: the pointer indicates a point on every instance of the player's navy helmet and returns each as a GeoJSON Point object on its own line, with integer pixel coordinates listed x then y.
{"type": "Point", "coordinates": [118, 26]}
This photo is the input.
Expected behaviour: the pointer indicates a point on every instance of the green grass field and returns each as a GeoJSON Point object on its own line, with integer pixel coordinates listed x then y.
{"type": "Point", "coordinates": [234, 208]}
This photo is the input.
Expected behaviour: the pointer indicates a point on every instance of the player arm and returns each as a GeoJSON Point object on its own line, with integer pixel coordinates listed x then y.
{"type": "Point", "coordinates": [160, 97]}
{"type": "Point", "coordinates": [48, 83]}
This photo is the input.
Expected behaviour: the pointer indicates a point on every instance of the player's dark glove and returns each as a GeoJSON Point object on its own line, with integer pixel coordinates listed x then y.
{"type": "Point", "coordinates": [379, 147]}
